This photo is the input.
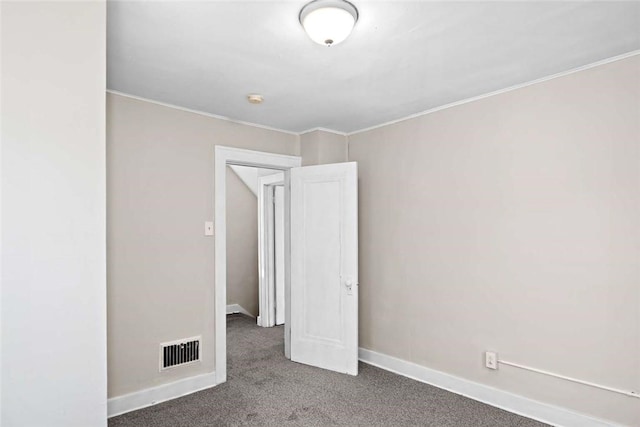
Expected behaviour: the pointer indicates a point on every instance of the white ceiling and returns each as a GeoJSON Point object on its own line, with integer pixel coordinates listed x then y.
{"type": "Point", "coordinates": [402, 58]}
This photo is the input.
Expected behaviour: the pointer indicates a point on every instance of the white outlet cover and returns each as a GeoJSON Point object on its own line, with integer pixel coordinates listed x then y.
{"type": "Point", "coordinates": [491, 360]}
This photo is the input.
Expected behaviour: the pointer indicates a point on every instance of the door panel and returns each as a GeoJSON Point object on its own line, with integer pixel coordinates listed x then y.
{"type": "Point", "coordinates": [279, 252]}
{"type": "Point", "coordinates": [324, 270]}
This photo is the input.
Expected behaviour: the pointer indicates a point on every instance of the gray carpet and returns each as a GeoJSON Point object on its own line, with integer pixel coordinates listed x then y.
{"type": "Point", "coordinates": [265, 389]}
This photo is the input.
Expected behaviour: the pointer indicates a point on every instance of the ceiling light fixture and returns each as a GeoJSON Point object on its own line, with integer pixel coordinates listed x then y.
{"type": "Point", "coordinates": [328, 22]}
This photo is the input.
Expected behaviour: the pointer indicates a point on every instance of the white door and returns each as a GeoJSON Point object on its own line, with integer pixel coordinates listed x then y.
{"type": "Point", "coordinates": [271, 250]}
{"type": "Point", "coordinates": [324, 266]}
{"type": "Point", "coordinates": [278, 230]}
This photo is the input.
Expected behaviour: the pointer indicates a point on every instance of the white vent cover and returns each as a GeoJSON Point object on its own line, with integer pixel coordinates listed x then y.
{"type": "Point", "coordinates": [179, 352]}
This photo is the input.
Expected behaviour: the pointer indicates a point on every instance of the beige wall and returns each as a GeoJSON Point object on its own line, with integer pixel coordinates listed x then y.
{"type": "Point", "coordinates": [320, 147]}
{"type": "Point", "coordinates": [242, 244]}
{"type": "Point", "coordinates": [53, 312]}
{"type": "Point", "coordinates": [511, 224]}
{"type": "Point", "coordinates": [160, 266]}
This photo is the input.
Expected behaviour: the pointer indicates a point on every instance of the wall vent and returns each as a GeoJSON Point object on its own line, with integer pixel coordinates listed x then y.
{"type": "Point", "coordinates": [180, 352]}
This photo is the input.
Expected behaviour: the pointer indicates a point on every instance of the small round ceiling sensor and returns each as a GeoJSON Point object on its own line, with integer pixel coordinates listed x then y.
{"type": "Point", "coordinates": [255, 98]}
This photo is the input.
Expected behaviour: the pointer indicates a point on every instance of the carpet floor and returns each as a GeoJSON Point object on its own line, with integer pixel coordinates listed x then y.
{"type": "Point", "coordinates": [265, 389]}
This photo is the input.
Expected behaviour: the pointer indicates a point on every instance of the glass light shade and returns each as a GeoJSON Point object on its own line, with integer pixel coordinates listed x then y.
{"type": "Point", "coordinates": [330, 23]}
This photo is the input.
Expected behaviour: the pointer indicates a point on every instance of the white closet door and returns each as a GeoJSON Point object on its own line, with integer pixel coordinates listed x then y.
{"type": "Point", "coordinates": [324, 266]}
{"type": "Point", "coordinates": [279, 252]}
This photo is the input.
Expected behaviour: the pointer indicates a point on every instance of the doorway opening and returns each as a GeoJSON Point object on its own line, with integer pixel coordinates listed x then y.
{"type": "Point", "coordinates": [255, 244]}
{"type": "Point", "coordinates": [320, 248]}
{"type": "Point", "coordinates": [226, 156]}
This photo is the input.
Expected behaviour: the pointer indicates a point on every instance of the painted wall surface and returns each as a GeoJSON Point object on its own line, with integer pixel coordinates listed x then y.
{"type": "Point", "coordinates": [511, 224]}
{"type": "Point", "coordinates": [54, 367]}
{"type": "Point", "coordinates": [242, 244]}
{"type": "Point", "coordinates": [320, 147]}
{"type": "Point", "coordinates": [160, 265]}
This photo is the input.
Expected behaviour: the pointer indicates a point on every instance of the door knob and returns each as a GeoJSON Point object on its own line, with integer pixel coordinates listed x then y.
{"type": "Point", "coordinates": [348, 283]}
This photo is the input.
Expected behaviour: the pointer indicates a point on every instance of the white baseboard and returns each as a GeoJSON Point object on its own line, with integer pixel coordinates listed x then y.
{"type": "Point", "coordinates": [520, 405]}
{"type": "Point", "coordinates": [237, 308]}
{"type": "Point", "coordinates": [529, 408]}
{"type": "Point", "coordinates": [141, 399]}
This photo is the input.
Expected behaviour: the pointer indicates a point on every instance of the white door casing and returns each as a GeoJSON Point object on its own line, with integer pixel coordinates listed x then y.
{"type": "Point", "coordinates": [235, 156]}
{"type": "Point", "coordinates": [324, 266]}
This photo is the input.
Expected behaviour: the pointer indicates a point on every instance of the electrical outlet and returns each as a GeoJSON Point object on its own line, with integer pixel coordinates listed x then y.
{"type": "Point", "coordinates": [491, 360]}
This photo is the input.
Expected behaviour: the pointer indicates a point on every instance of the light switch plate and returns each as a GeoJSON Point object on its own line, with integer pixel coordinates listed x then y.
{"type": "Point", "coordinates": [208, 228]}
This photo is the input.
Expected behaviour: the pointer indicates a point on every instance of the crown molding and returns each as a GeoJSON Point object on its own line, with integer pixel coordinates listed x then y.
{"type": "Point", "coordinates": [201, 113]}
{"type": "Point", "coordinates": [391, 122]}
{"type": "Point", "coordinates": [500, 91]}
{"type": "Point", "coordinates": [321, 129]}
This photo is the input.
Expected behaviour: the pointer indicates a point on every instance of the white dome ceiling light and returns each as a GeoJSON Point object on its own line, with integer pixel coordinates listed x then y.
{"type": "Point", "coordinates": [328, 22]}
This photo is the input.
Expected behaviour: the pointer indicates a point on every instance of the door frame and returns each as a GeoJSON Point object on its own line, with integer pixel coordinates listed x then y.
{"type": "Point", "coordinates": [224, 156]}
{"type": "Point", "coordinates": [266, 250]}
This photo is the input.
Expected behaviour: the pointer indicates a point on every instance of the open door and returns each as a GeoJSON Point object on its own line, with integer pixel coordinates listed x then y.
{"type": "Point", "coordinates": [271, 250]}
{"type": "Point", "coordinates": [279, 251]}
{"type": "Point", "coordinates": [324, 266]}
